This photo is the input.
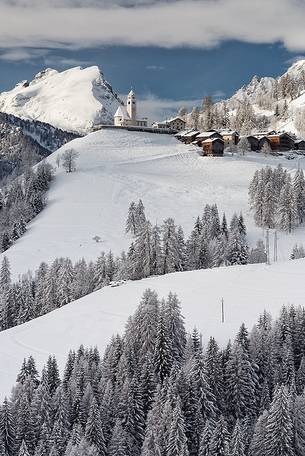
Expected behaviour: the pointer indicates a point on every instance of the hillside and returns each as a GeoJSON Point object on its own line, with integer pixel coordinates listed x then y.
{"type": "Point", "coordinates": [73, 100]}
{"type": "Point", "coordinates": [247, 291]}
{"type": "Point", "coordinates": [279, 99]}
{"type": "Point", "coordinates": [117, 167]}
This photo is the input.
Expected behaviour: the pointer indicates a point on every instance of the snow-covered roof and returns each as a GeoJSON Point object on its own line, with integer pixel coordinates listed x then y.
{"type": "Point", "coordinates": [191, 133]}
{"type": "Point", "coordinates": [206, 134]}
{"type": "Point", "coordinates": [184, 133]}
{"type": "Point", "coordinates": [212, 140]}
{"type": "Point", "coordinates": [228, 132]}
{"type": "Point", "coordinates": [121, 112]}
{"type": "Point", "coordinates": [181, 133]}
{"type": "Point", "coordinates": [298, 141]}
{"type": "Point", "coordinates": [174, 118]}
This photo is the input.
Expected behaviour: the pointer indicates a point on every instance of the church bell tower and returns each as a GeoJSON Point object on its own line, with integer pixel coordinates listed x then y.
{"type": "Point", "coordinates": [131, 105]}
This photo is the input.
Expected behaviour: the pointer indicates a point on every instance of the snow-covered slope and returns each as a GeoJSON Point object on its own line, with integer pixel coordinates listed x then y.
{"type": "Point", "coordinates": [116, 167]}
{"type": "Point", "coordinates": [73, 100]}
{"type": "Point", "coordinates": [286, 94]}
{"type": "Point", "coordinates": [247, 291]}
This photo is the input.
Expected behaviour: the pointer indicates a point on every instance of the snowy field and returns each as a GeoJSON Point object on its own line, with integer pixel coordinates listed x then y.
{"type": "Point", "coordinates": [116, 167]}
{"type": "Point", "coordinates": [247, 291]}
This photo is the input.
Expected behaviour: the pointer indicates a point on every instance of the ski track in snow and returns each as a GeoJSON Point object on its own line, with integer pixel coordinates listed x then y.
{"type": "Point", "coordinates": [114, 168]}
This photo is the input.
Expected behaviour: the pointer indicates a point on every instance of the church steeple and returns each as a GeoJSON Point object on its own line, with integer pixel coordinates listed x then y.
{"type": "Point", "coordinates": [132, 105]}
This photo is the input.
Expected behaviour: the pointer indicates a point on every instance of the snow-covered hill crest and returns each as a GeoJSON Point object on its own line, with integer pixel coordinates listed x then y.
{"type": "Point", "coordinates": [281, 100]}
{"type": "Point", "coordinates": [73, 100]}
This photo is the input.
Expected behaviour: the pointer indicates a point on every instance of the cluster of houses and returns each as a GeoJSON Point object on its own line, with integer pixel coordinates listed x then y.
{"type": "Point", "coordinates": [211, 142]}
{"type": "Point", "coordinates": [214, 142]}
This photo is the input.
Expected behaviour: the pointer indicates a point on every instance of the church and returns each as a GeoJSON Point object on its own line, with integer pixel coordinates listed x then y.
{"type": "Point", "coordinates": [127, 116]}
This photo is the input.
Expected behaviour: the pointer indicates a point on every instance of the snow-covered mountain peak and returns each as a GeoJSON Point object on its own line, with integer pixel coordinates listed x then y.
{"type": "Point", "coordinates": [297, 67]}
{"type": "Point", "coordinates": [43, 74]}
{"type": "Point", "coordinates": [74, 100]}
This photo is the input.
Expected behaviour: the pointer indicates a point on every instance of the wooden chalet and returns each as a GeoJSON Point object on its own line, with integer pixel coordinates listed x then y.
{"type": "Point", "coordinates": [253, 142]}
{"type": "Point", "coordinates": [277, 141]}
{"type": "Point", "coordinates": [281, 141]}
{"type": "Point", "coordinates": [299, 144]}
{"type": "Point", "coordinates": [230, 138]}
{"type": "Point", "coordinates": [189, 137]}
{"type": "Point", "coordinates": [213, 147]}
{"type": "Point", "coordinates": [262, 141]}
{"type": "Point", "coordinates": [212, 134]}
{"type": "Point", "coordinates": [175, 123]}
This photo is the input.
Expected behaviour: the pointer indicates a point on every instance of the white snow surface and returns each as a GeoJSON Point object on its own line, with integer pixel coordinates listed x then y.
{"type": "Point", "coordinates": [92, 320]}
{"type": "Point", "coordinates": [116, 167]}
{"type": "Point", "coordinates": [73, 100]}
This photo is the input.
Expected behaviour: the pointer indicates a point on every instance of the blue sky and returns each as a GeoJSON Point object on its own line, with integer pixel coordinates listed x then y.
{"type": "Point", "coordinates": [179, 73]}
{"type": "Point", "coordinates": [172, 52]}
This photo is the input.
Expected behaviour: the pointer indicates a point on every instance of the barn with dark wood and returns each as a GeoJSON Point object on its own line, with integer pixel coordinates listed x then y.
{"type": "Point", "coordinates": [299, 144]}
{"type": "Point", "coordinates": [253, 142]}
{"type": "Point", "coordinates": [189, 137]}
{"type": "Point", "coordinates": [262, 141]}
{"type": "Point", "coordinates": [213, 147]}
{"type": "Point", "coordinates": [277, 141]}
{"type": "Point", "coordinates": [207, 135]}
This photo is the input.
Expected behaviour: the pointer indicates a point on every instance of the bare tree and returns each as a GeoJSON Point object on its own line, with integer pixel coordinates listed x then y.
{"type": "Point", "coordinates": [68, 160]}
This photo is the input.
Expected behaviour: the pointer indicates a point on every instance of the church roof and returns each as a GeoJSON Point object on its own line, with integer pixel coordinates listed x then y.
{"type": "Point", "coordinates": [131, 93]}
{"type": "Point", "coordinates": [121, 112]}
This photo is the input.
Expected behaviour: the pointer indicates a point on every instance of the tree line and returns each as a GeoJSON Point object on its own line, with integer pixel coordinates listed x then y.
{"type": "Point", "coordinates": [277, 200]}
{"type": "Point", "coordinates": [163, 249]}
{"type": "Point", "coordinates": [158, 391]}
{"type": "Point", "coordinates": [154, 251]}
{"type": "Point", "coordinates": [21, 200]}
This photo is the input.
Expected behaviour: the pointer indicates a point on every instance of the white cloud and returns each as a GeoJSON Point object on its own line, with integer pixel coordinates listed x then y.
{"type": "Point", "coordinates": [29, 55]}
{"type": "Point", "coordinates": [154, 67]}
{"type": "Point", "coordinates": [201, 23]}
{"type": "Point", "coordinates": [156, 108]}
{"type": "Point", "coordinates": [23, 54]}
{"type": "Point", "coordinates": [64, 62]}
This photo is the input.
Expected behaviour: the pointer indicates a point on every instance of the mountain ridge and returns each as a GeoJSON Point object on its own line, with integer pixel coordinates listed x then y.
{"type": "Point", "coordinates": [73, 100]}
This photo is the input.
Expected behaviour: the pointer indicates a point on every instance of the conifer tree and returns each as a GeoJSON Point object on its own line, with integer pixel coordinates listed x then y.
{"type": "Point", "coordinates": [237, 447]}
{"type": "Point", "coordinates": [205, 440]}
{"type": "Point", "coordinates": [162, 356]}
{"type": "Point", "coordinates": [7, 429]}
{"type": "Point", "coordinates": [279, 439]}
{"type": "Point", "coordinates": [287, 208]}
{"type": "Point", "coordinates": [131, 222]}
{"type": "Point", "coordinates": [219, 445]}
{"type": "Point", "coordinates": [299, 425]}
{"type": "Point", "coordinates": [177, 442]}
{"type": "Point", "coordinates": [94, 433]}
{"type": "Point", "coordinates": [259, 439]}
{"type": "Point", "coordinates": [23, 450]}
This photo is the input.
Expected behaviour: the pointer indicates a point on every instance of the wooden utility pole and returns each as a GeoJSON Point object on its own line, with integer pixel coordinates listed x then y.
{"type": "Point", "coordinates": [267, 246]}
{"type": "Point", "coordinates": [222, 311]}
{"type": "Point", "coordinates": [275, 246]}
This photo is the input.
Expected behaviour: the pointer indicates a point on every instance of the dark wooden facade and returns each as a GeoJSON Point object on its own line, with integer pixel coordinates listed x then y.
{"type": "Point", "coordinates": [253, 142]}
{"type": "Point", "coordinates": [278, 141]}
{"type": "Point", "coordinates": [188, 138]}
{"type": "Point", "coordinates": [299, 144]}
{"type": "Point", "coordinates": [213, 147]}
{"type": "Point", "coordinates": [207, 135]}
